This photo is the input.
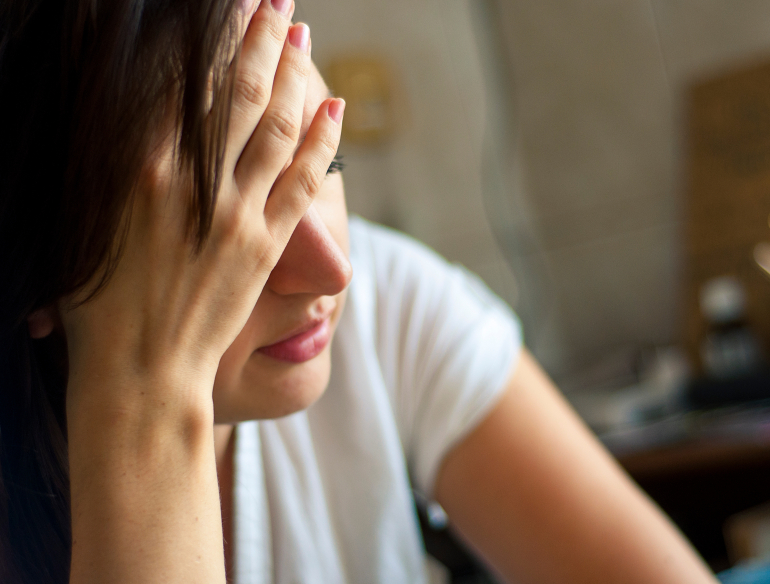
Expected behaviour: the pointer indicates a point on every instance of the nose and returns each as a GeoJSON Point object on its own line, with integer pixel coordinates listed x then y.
{"type": "Point", "coordinates": [313, 262]}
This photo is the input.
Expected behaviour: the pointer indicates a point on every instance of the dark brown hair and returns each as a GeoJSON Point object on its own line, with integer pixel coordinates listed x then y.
{"type": "Point", "coordinates": [82, 85]}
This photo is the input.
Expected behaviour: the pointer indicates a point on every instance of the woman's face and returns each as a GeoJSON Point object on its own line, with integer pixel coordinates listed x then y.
{"type": "Point", "coordinates": [280, 362]}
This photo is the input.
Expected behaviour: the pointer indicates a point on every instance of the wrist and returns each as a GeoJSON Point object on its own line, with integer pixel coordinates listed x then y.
{"type": "Point", "coordinates": [125, 396]}
{"type": "Point", "coordinates": [142, 478]}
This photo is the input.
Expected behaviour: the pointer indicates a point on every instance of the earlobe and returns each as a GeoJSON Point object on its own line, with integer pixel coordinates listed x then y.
{"type": "Point", "coordinates": [41, 322]}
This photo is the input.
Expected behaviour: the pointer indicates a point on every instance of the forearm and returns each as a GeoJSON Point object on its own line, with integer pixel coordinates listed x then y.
{"type": "Point", "coordinates": [591, 524]}
{"type": "Point", "coordinates": [144, 495]}
{"type": "Point", "coordinates": [544, 502]}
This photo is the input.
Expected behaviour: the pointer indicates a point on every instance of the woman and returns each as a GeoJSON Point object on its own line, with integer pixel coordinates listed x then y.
{"type": "Point", "coordinates": [176, 260]}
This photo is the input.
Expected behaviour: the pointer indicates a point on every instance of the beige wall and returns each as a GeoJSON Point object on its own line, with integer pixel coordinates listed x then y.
{"type": "Point", "coordinates": [566, 129]}
{"type": "Point", "coordinates": [599, 89]}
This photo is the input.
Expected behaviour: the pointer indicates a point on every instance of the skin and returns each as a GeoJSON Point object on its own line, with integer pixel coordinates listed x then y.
{"type": "Point", "coordinates": [310, 278]}
{"type": "Point", "coordinates": [540, 498]}
{"type": "Point", "coordinates": [145, 352]}
{"type": "Point", "coordinates": [529, 487]}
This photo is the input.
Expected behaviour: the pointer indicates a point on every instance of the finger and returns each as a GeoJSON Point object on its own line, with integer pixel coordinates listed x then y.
{"type": "Point", "coordinates": [295, 190]}
{"type": "Point", "coordinates": [273, 142]}
{"type": "Point", "coordinates": [244, 10]}
{"type": "Point", "coordinates": [255, 71]}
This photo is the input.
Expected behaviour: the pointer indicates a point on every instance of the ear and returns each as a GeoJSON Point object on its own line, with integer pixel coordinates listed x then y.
{"type": "Point", "coordinates": [41, 322]}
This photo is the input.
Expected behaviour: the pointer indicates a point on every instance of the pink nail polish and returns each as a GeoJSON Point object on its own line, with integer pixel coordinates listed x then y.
{"type": "Point", "coordinates": [282, 6]}
{"type": "Point", "coordinates": [299, 36]}
{"type": "Point", "coordinates": [336, 109]}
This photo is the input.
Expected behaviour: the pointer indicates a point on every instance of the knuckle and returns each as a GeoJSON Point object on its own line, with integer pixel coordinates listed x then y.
{"type": "Point", "coordinates": [330, 143]}
{"type": "Point", "coordinates": [242, 236]}
{"type": "Point", "coordinates": [268, 26]}
{"type": "Point", "coordinates": [299, 66]}
{"type": "Point", "coordinates": [283, 127]}
{"type": "Point", "coordinates": [252, 90]}
{"type": "Point", "coordinates": [233, 223]}
{"type": "Point", "coordinates": [309, 179]}
{"type": "Point", "coordinates": [231, 228]}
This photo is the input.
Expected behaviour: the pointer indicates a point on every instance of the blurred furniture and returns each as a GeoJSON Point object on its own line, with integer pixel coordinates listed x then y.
{"type": "Point", "coordinates": [716, 467]}
{"type": "Point", "coordinates": [727, 195]}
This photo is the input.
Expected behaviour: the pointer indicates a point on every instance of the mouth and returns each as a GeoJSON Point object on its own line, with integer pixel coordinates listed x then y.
{"type": "Point", "coordinates": [301, 345]}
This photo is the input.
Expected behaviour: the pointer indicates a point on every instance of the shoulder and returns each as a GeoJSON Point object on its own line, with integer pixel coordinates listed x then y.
{"type": "Point", "coordinates": [445, 343]}
{"type": "Point", "coordinates": [378, 247]}
{"type": "Point", "coordinates": [402, 272]}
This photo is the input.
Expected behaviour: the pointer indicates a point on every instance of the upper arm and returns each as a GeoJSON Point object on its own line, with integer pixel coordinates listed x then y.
{"type": "Point", "coordinates": [535, 492]}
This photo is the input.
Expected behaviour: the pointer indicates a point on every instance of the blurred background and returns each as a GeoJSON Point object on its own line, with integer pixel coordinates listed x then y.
{"type": "Point", "coordinates": [605, 168]}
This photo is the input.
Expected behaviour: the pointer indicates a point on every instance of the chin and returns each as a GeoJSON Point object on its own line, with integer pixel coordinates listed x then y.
{"type": "Point", "coordinates": [269, 389]}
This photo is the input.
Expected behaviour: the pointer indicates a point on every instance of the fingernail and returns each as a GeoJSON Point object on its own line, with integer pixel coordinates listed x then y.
{"type": "Point", "coordinates": [282, 6]}
{"type": "Point", "coordinates": [299, 36]}
{"type": "Point", "coordinates": [336, 109]}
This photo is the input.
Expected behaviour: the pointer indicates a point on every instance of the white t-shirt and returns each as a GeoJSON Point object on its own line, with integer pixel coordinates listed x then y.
{"type": "Point", "coordinates": [422, 352]}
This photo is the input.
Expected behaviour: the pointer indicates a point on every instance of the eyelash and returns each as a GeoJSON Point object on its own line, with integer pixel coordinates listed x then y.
{"type": "Point", "coordinates": [336, 166]}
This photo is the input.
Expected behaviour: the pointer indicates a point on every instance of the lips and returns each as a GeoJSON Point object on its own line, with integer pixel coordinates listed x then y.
{"type": "Point", "coordinates": [303, 345]}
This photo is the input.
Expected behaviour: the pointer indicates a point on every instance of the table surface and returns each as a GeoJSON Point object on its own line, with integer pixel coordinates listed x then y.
{"type": "Point", "coordinates": [696, 455]}
{"type": "Point", "coordinates": [701, 440]}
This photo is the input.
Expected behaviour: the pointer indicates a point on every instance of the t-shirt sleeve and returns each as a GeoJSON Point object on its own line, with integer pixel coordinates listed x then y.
{"type": "Point", "coordinates": [447, 346]}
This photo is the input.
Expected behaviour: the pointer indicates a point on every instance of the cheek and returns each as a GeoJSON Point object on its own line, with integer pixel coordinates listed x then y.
{"type": "Point", "coordinates": [257, 389]}
{"type": "Point", "coordinates": [248, 387]}
{"type": "Point", "coordinates": [232, 363]}
{"type": "Point", "coordinates": [331, 205]}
